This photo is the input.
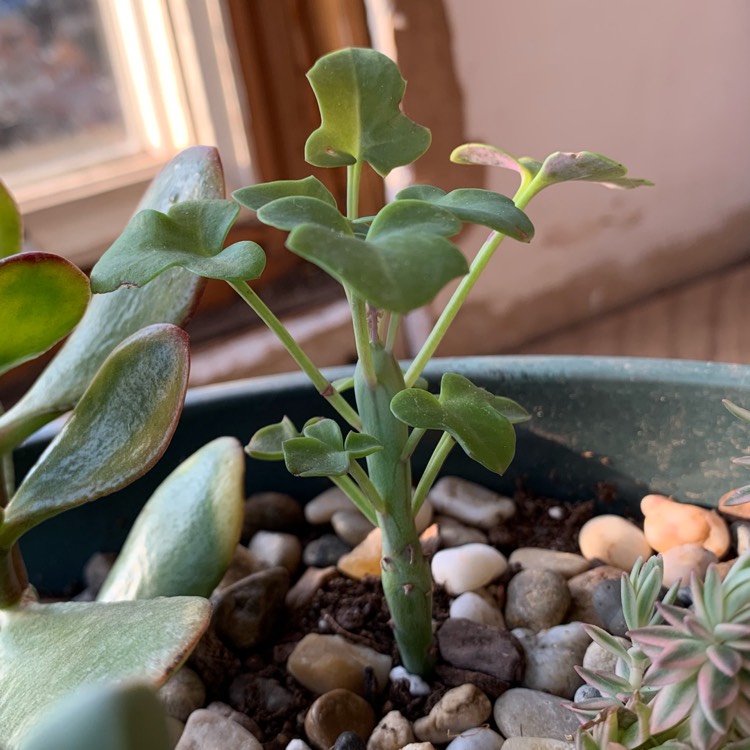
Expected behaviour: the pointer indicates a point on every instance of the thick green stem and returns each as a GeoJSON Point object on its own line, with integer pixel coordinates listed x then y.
{"type": "Point", "coordinates": [429, 475]}
{"type": "Point", "coordinates": [407, 582]}
{"type": "Point", "coordinates": [522, 197]}
{"type": "Point", "coordinates": [325, 388]}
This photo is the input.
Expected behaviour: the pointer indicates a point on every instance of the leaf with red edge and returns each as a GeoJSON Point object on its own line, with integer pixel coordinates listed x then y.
{"type": "Point", "coordinates": [11, 226]}
{"type": "Point", "coordinates": [672, 704]}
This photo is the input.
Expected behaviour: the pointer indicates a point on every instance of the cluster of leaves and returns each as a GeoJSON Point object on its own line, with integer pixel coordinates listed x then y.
{"type": "Point", "coordinates": [122, 374]}
{"type": "Point", "coordinates": [682, 680]}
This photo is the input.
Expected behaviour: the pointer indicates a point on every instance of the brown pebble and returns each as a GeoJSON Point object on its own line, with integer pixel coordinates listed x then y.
{"type": "Point", "coordinates": [335, 712]}
{"type": "Point", "coordinates": [582, 588]}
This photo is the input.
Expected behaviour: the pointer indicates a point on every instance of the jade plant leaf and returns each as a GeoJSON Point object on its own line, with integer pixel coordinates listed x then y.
{"type": "Point", "coordinates": [193, 174]}
{"type": "Point", "coordinates": [483, 207]}
{"type": "Point", "coordinates": [267, 443]}
{"type": "Point", "coordinates": [117, 432]}
{"type": "Point", "coordinates": [43, 297]}
{"type": "Point", "coordinates": [359, 92]}
{"type": "Point", "coordinates": [557, 167]}
{"type": "Point", "coordinates": [480, 422]}
{"type": "Point", "coordinates": [404, 262]}
{"type": "Point", "coordinates": [115, 716]}
{"type": "Point", "coordinates": [255, 197]}
{"type": "Point", "coordinates": [11, 226]}
{"type": "Point", "coordinates": [48, 651]}
{"type": "Point", "coordinates": [287, 213]}
{"type": "Point", "coordinates": [184, 538]}
{"type": "Point", "coordinates": [322, 452]}
{"type": "Point", "coordinates": [191, 236]}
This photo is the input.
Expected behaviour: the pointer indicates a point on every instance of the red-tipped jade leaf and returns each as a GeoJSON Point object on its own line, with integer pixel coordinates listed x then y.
{"type": "Point", "coordinates": [191, 236]}
{"type": "Point", "coordinates": [11, 226]}
{"type": "Point", "coordinates": [480, 422]}
{"type": "Point", "coordinates": [184, 538]}
{"type": "Point", "coordinates": [118, 430]}
{"type": "Point", "coordinates": [359, 94]}
{"type": "Point", "coordinates": [193, 174]}
{"type": "Point", "coordinates": [43, 297]}
{"type": "Point", "coordinates": [48, 651]}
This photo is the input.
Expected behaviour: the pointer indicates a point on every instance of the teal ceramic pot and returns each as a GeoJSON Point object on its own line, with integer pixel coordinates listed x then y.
{"type": "Point", "coordinates": [608, 429]}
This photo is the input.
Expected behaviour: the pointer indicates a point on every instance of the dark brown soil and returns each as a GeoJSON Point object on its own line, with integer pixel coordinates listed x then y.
{"type": "Point", "coordinates": [357, 610]}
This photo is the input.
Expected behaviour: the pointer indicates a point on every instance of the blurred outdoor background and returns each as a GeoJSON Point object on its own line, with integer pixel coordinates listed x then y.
{"type": "Point", "coordinates": [96, 94]}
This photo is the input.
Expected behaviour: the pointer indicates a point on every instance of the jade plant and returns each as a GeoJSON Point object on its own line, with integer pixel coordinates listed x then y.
{"type": "Point", "coordinates": [681, 677]}
{"type": "Point", "coordinates": [388, 264]}
{"type": "Point", "coordinates": [122, 375]}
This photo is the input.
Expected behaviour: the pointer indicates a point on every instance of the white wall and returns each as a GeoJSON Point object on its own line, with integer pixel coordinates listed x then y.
{"type": "Point", "coordinates": [663, 87]}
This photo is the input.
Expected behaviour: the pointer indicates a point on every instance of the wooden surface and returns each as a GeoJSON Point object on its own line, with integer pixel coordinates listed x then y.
{"type": "Point", "coordinates": [705, 319]}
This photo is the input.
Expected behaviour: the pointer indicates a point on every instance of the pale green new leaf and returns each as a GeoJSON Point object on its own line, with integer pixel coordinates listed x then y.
{"type": "Point", "coordinates": [11, 225]}
{"type": "Point", "coordinates": [360, 444]}
{"type": "Point", "coordinates": [480, 422]}
{"type": "Point", "coordinates": [359, 92]}
{"type": "Point", "coordinates": [482, 154]}
{"type": "Point", "coordinates": [184, 538]}
{"type": "Point", "coordinates": [48, 651]}
{"type": "Point", "coordinates": [118, 430]}
{"type": "Point", "coordinates": [266, 444]}
{"type": "Point", "coordinates": [115, 716]}
{"type": "Point", "coordinates": [737, 411]}
{"type": "Point", "coordinates": [255, 197]}
{"type": "Point", "coordinates": [309, 457]}
{"type": "Point", "coordinates": [43, 297]}
{"type": "Point", "coordinates": [193, 174]}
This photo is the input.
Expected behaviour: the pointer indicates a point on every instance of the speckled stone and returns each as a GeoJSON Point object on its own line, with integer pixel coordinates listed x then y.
{"type": "Point", "coordinates": [324, 551]}
{"type": "Point", "coordinates": [393, 732]}
{"type": "Point", "coordinates": [207, 730]}
{"type": "Point", "coordinates": [521, 712]}
{"type": "Point", "coordinates": [582, 588]}
{"type": "Point", "coordinates": [567, 564]}
{"type": "Point", "coordinates": [335, 712]}
{"type": "Point", "coordinates": [183, 693]}
{"type": "Point", "coordinates": [536, 599]}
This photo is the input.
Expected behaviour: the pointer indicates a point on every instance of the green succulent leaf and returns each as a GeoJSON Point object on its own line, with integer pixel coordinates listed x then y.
{"type": "Point", "coordinates": [309, 457]}
{"type": "Point", "coordinates": [476, 206]}
{"type": "Point", "coordinates": [255, 197]}
{"type": "Point", "coordinates": [190, 236]}
{"type": "Point", "coordinates": [405, 261]}
{"type": "Point", "coordinates": [119, 429]}
{"type": "Point", "coordinates": [117, 716]}
{"type": "Point", "coordinates": [266, 444]}
{"type": "Point", "coordinates": [184, 538]}
{"type": "Point", "coordinates": [359, 93]}
{"type": "Point", "coordinates": [736, 410]}
{"type": "Point", "coordinates": [47, 651]}
{"type": "Point", "coordinates": [11, 225]}
{"type": "Point", "coordinates": [557, 167]}
{"type": "Point", "coordinates": [607, 641]}
{"type": "Point", "coordinates": [288, 213]}
{"type": "Point", "coordinates": [359, 445]}
{"type": "Point", "coordinates": [480, 422]}
{"type": "Point", "coordinates": [43, 297]}
{"type": "Point", "coordinates": [194, 174]}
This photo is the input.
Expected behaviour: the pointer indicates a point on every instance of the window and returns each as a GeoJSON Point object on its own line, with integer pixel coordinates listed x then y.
{"type": "Point", "coordinates": [96, 94]}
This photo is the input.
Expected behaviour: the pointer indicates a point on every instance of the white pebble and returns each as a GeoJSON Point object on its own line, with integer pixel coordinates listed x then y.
{"type": "Point", "coordinates": [417, 686]}
{"type": "Point", "coordinates": [480, 738]}
{"type": "Point", "coordinates": [613, 540]}
{"type": "Point", "coordinates": [472, 606]}
{"type": "Point", "coordinates": [468, 567]}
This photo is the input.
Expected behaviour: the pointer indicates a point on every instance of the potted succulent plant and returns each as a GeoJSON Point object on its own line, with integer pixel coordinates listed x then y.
{"type": "Point", "coordinates": [388, 264]}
